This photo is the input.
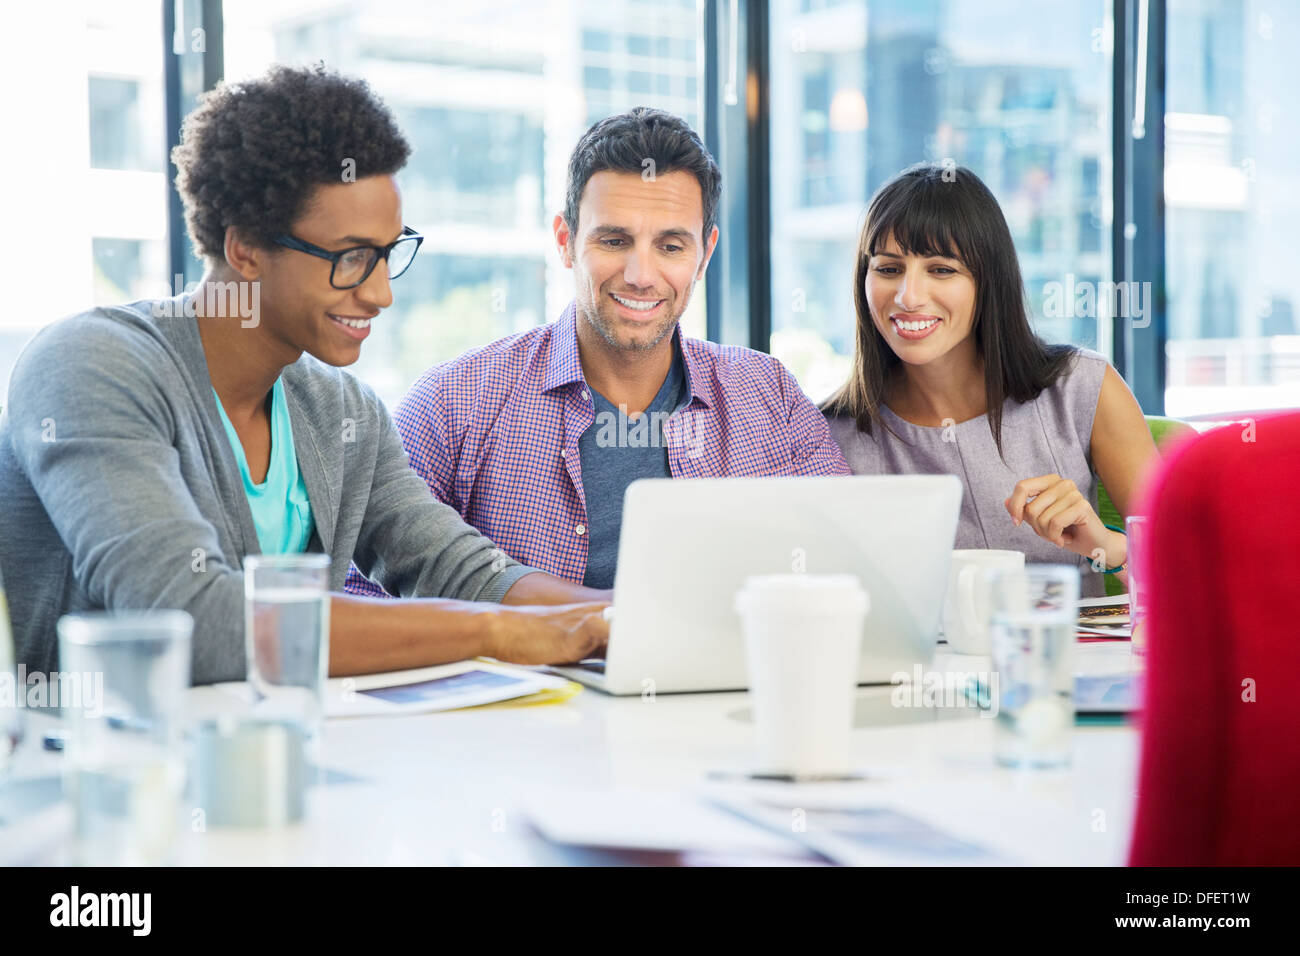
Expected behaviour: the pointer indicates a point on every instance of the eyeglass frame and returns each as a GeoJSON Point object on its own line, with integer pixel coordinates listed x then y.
{"type": "Point", "coordinates": [301, 245]}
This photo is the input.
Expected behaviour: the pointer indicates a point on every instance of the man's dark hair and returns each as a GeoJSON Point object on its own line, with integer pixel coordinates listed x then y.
{"type": "Point", "coordinates": [252, 152]}
{"type": "Point", "coordinates": [625, 142]}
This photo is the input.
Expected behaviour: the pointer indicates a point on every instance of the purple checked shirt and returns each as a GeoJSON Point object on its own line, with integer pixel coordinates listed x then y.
{"type": "Point", "coordinates": [495, 435]}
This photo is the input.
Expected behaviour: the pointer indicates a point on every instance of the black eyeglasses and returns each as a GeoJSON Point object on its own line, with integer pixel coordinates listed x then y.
{"type": "Point", "coordinates": [351, 267]}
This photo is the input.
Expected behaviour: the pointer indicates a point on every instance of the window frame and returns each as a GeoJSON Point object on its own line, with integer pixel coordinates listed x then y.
{"type": "Point", "coordinates": [186, 75]}
{"type": "Point", "coordinates": [1138, 221]}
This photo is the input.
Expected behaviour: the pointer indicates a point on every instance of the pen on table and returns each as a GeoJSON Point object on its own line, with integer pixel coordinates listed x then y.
{"type": "Point", "coordinates": [787, 777]}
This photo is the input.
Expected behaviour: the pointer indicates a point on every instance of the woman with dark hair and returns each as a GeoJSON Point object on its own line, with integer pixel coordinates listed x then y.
{"type": "Point", "coordinates": [948, 377]}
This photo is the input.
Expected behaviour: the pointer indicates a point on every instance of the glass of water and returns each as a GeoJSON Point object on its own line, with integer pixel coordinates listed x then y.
{"type": "Point", "coordinates": [1035, 617]}
{"type": "Point", "coordinates": [286, 635]}
{"type": "Point", "coordinates": [11, 694]}
{"type": "Point", "coordinates": [1135, 529]}
{"type": "Point", "coordinates": [121, 688]}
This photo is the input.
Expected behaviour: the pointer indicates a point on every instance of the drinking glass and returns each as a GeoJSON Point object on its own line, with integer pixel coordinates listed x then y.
{"type": "Point", "coordinates": [1035, 616]}
{"type": "Point", "coordinates": [286, 635]}
{"type": "Point", "coordinates": [1135, 529]}
{"type": "Point", "coordinates": [11, 692]}
{"type": "Point", "coordinates": [121, 688]}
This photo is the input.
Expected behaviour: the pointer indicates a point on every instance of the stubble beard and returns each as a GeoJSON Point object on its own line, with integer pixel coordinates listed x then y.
{"type": "Point", "coordinates": [607, 325]}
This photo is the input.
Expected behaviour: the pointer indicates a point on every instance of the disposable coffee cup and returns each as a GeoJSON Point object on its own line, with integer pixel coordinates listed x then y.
{"type": "Point", "coordinates": [803, 639]}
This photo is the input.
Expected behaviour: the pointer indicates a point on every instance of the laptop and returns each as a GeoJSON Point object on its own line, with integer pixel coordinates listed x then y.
{"type": "Point", "coordinates": [687, 546]}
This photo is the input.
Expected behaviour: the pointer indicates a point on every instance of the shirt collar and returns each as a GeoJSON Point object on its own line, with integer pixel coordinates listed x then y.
{"type": "Point", "coordinates": [564, 367]}
{"type": "Point", "coordinates": [695, 375]}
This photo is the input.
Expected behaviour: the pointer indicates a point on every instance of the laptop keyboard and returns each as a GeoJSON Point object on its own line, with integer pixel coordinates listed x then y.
{"type": "Point", "coordinates": [593, 664]}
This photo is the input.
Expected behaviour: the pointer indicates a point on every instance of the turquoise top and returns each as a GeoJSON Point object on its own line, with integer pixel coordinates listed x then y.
{"type": "Point", "coordinates": [281, 510]}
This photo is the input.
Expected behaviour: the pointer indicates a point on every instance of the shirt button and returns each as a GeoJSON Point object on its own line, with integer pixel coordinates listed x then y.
{"type": "Point", "coordinates": [581, 529]}
{"type": "Point", "coordinates": [563, 453]}
{"type": "Point", "coordinates": [586, 395]}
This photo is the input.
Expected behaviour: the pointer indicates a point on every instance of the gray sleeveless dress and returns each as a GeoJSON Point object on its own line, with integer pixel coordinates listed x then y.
{"type": "Point", "coordinates": [1051, 434]}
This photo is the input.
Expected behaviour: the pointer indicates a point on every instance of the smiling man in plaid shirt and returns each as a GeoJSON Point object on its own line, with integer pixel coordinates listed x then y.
{"type": "Point", "coordinates": [534, 438]}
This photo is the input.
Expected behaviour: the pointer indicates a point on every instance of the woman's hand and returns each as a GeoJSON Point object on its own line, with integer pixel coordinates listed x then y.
{"type": "Point", "coordinates": [1058, 512]}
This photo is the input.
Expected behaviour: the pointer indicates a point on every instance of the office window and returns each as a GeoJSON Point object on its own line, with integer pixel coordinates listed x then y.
{"type": "Point", "coordinates": [120, 136]}
{"type": "Point", "coordinates": [1232, 156]}
{"type": "Point", "coordinates": [860, 91]}
{"type": "Point", "coordinates": [124, 269]}
{"type": "Point", "coordinates": [488, 168]}
{"type": "Point", "coordinates": [493, 96]}
{"type": "Point", "coordinates": [85, 198]}
{"type": "Point", "coordinates": [596, 41]}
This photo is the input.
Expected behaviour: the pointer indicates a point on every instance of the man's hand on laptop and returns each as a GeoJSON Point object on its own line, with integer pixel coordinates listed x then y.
{"type": "Point", "coordinates": [550, 634]}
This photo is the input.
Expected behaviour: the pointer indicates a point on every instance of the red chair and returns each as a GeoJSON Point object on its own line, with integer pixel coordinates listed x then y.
{"type": "Point", "coordinates": [1219, 783]}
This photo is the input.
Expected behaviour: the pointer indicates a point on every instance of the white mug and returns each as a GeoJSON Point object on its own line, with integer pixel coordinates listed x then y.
{"type": "Point", "coordinates": [966, 608]}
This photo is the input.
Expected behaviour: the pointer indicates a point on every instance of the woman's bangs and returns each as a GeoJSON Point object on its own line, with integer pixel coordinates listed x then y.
{"type": "Point", "coordinates": [922, 221]}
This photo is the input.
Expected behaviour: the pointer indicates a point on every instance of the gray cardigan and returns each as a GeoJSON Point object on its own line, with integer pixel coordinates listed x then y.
{"type": "Point", "coordinates": [119, 488]}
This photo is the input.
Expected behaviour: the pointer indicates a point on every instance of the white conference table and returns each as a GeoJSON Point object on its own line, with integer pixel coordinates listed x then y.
{"type": "Point", "coordinates": [450, 788]}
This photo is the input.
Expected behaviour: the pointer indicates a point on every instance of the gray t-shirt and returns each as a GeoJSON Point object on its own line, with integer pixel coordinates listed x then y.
{"type": "Point", "coordinates": [1050, 435]}
{"type": "Point", "coordinates": [615, 453]}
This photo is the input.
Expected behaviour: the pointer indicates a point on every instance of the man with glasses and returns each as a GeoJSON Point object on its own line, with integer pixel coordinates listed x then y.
{"type": "Point", "coordinates": [535, 438]}
{"type": "Point", "coordinates": [146, 449]}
